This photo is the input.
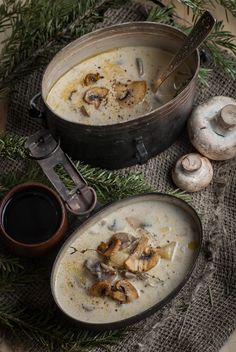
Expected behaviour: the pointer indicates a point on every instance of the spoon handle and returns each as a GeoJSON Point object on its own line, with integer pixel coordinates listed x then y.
{"type": "Point", "coordinates": [197, 35]}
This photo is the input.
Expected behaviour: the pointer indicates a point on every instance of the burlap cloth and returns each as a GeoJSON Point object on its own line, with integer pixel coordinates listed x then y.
{"type": "Point", "coordinates": [202, 326]}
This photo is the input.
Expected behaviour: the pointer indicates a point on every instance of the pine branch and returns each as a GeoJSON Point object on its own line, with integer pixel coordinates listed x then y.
{"type": "Point", "coordinates": [11, 179]}
{"type": "Point", "coordinates": [218, 39]}
{"type": "Point", "coordinates": [203, 75]}
{"type": "Point", "coordinates": [194, 5]}
{"type": "Point", "coordinates": [221, 37]}
{"type": "Point", "coordinates": [161, 15]}
{"type": "Point", "coordinates": [180, 194]}
{"type": "Point", "coordinates": [228, 5]}
{"type": "Point", "coordinates": [45, 328]}
{"type": "Point", "coordinates": [107, 184]}
{"type": "Point", "coordinates": [12, 281]}
{"type": "Point", "coordinates": [110, 186]}
{"type": "Point", "coordinates": [197, 6]}
{"type": "Point", "coordinates": [12, 147]}
{"type": "Point", "coordinates": [226, 63]}
{"type": "Point", "coordinates": [10, 264]}
{"type": "Point", "coordinates": [39, 28]}
{"type": "Point", "coordinates": [16, 272]}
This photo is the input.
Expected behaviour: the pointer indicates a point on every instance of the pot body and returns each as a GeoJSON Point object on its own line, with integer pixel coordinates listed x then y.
{"type": "Point", "coordinates": [124, 144]}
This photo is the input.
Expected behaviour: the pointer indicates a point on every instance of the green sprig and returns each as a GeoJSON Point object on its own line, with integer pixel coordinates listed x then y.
{"type": "Point", "coordinates": [12, 147]}
{"type": "Point", "coordinates": [180, 194]}
{"type": "Point", "coordinates": [39, 28]}
{"type": "Point", "coordinates": [197, 5]}
{"type": "Point", "coordinates": [203, 75]}
{"type": "Point", "coordinates": [12, 281]}
{"type": "Point", "coordinates": [49, 332]}
{"type": "Point", "coordinates": [161, 15]}
{"type": "Point", "coordinates": [109, 185]}
{"type": "Point", "coordinates": [210, 296]}
{"type": "Point", "coordinates": [10, 264]}
{"type": "Point", "coordinates": [229, 5]}
{"type": "Point", "coordinates": [217, 40]}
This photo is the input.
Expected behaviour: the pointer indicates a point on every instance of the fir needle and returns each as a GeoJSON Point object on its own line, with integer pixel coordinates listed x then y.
{"type": "Point", "coordinates": [210, 296]}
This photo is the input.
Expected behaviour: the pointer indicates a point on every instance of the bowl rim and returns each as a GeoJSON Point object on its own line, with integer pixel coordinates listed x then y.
{"type": "Point", "coordinates": [151, 310]}
{"type": "Point", "coordinates": [169, 105]}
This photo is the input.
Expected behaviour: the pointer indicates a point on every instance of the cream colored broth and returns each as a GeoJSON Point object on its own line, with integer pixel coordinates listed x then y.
{"type": "Point", "coordinates": [118, 65]}
{"type": "Point", "coordinates": [164, 222]}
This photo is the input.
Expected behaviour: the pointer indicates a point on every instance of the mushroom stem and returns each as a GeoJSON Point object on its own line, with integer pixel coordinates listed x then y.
{"type": "Point", "coordinates": [191, 163]}
{"type": "Point", "coordinates": [226, 118]}
{"type": "Point", "coordinates": [139, 63]}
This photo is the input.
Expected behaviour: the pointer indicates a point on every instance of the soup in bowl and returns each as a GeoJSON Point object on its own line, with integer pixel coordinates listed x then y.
{"type": "Point", "coordinates": [127, 261]}
{"type": "Point", "coordinates": [115, 86]}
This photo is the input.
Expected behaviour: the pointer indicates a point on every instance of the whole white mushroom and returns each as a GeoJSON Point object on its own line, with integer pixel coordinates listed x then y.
{"type": "Point", "coordinates": [192, 172]}
{"type": "Point", "coordinates": [212, 128]}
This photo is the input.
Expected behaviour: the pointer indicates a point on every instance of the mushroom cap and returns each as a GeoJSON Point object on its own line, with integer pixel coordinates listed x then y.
{"type": "Point", "coordinates": [117, 242]}
{"type": "Point", "coordinates": [192, 172]}
{"type": "Point", "coordinates": [100, 288]}
{"type": "Point", "coordinates": [124, 292]}
{"type": "Point", "coordinates": [143, 257]}
{"type": "Point", "coordinates": [91, 78]}
{"type": "Point", "coordinates": [95, 95]}
{"type": "Point", "coordinates": [212, 128]}
{"type": "Point", "coordinates": [132, 93]}
{"type": "Point", "coordinates": [118, 258]}
{"type": "Point", "coordinates": [110, 248]}
{"type": "Point", "coordinates": [125, 238]}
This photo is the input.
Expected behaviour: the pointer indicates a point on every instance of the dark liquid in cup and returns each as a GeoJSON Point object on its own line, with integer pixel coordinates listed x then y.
{"type": "Point", "coordinates": [32, 216]}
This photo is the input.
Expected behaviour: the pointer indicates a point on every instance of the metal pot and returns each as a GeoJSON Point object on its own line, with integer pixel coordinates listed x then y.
{"type": "Point", "coordinates": [131, 142]}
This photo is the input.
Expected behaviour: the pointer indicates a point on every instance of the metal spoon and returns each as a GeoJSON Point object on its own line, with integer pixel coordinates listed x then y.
{"type": "Point", "coordinates": [197, 35]}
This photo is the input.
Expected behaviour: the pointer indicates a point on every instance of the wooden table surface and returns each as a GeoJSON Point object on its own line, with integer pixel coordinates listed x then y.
{"type": "Point", "coordinates": [230, 25]}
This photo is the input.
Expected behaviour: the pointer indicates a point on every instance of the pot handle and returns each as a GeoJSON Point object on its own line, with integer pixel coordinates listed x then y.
{"type": "Point", "coordinates": [34, 111]}
{"type": "Point", "coordinates": [81, 199]}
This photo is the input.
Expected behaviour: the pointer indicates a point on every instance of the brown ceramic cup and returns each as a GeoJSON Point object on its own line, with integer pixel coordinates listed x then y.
{"type": "Point", "coordinates": [33, 219]}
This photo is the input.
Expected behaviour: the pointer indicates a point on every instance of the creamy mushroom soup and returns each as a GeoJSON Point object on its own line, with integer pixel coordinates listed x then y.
{"type": "Point", "coordinates": [99, 280]}
{"type": "Point", "coordinates": [115, 86]}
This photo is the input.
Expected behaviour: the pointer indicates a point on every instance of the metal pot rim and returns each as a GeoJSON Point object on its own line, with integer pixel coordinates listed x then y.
{"type": "Point", "coordinates": [169, 105]}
